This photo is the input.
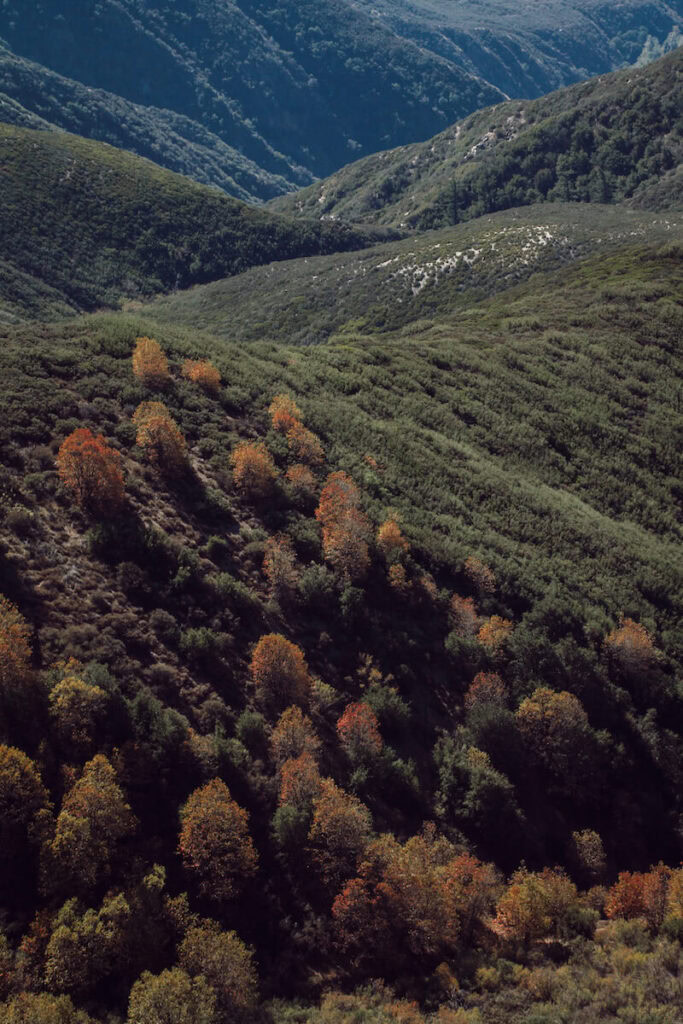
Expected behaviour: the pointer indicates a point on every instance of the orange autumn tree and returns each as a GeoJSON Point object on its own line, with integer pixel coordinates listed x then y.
{"type": "Point", "coordinates": [626, 898]}
{"type": "Point", "coordinates": [480, 576]}
{"type": "Point", "coordinates": [203, 373]}
{"type": "Point", "coordinates": [293, 735]}
{"type": "Point", "coordinates": [420, 898]}
{"type": "Point", "coordinates": [675, 894]}
{"type": "Point", "coordinates": [391, 541]}
{"type": "Point", "coordinates": [284, 413]}
{"type": "Point", "coordinates": [346, 529]}
{"type": "Point", "coordinates": [535, 905]}
{"type": "Point", "coordinates": [279, 566]}
{"type": "Point", "coordinates": [358, 733]}
{"type": "Point", "coordinates": [300, 781]}
{"type": "Point", "coordinates": [79, 712]}
{"type": "Point", "coordinates": [253, 470]}
{"type": "Point", "coordinates": [434, 891]}
{"type": "Point", "coordinates": [486, 688]}
{"type": "Point", "coordinates": [494, 632]}
{"type": "Point", "coordinates": [340, 831]}
{"type": "Point", "coordinates": [301, 481]}
{"type": "Point", "coordinates": [215, 844]}
{"type": "Point", "coordinates": [463, 615]}
{"type": "Point", "coordinates": [555, 727]}
{"type": "Point", "coordinates": [15, 651]}
{"type": "Point", "coordinates": [279, 671]}
{"type": "Point", "coordinates": [91, 470]}
{"type": "Point", "coordinates": [305, 446]}
{"type": "Point", "coordinates": [630, 645]}
{"type": "Point", "coordinates": [398, 579]}
{"type": "Point", "coordinates": [160, 438]}
{"type": "Point", "coordinates": [150, 365]}
{"type": "Point", "coordinates": [636, 894]}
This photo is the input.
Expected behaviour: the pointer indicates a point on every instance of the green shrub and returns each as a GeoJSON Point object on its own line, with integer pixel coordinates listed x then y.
{"type": "Point", "coordinates": [252, 731]}
{"type": "Point", "coordinates": [316, 587]}
{"type": "Point", "coordinates": [231, 590]}
{"type": "Point", "coordinates": [165, 626]}
{"type": "Point", "coordinates": [202, 645]}
{"type": "Point", "coordinates": [20, 521]}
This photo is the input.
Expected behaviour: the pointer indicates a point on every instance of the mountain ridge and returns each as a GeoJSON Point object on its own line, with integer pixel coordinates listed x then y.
{"type": "Point", "coordinates": [601, 139]}
{"type": "Point", "coordinates": [86, 224]}
{"type": "Point", "coordinates": [280, 95]}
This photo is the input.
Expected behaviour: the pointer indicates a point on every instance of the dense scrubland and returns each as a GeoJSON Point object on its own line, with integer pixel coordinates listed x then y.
{"type": "Point", "coordinates": [373, 680]}
{"type": "Point", "coordinates": [85, 225]}
{"type": "Point", "coordinates": [405, 284]}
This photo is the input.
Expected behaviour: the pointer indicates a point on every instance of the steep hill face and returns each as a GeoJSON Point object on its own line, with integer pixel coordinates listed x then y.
{"type": "Point", "coordinates": [532, 436]}
{"type": "Point", "coordinates": [527, 49]}
{"type": "Point", "coordinates": [85, 225]}
{"type": "Point", "coordinates": [266, 96]}
{"type": "Point", "coordinates": [613, 138]}
{"type": "Point", "coordinates": [31, 96]}
{"type": "Point", "coordinates": [298, 89]}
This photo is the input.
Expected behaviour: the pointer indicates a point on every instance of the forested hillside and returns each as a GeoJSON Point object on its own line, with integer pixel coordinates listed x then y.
{"type": "Point", "coordinates": [340, 549]}
{"type": "Point", "coordinates": [297, 89]}
{"type": "Point", "coordinates": [31, 96]}
{"type": "Point", "coordinates": [614, 138]}
{"type": "Point", "coordinates": [85, 225]}
{"type": "Point", "coordinates": [345, 663]}
{"type": "Point", "coordinates": [529, 48]}
{"type": "Point", "coordinates": [261, 98]}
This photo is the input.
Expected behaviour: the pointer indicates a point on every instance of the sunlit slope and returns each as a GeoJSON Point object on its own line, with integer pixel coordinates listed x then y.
{"type": "Point", "coordinates": [398, 283]}
{"type": "Point", "coordinates": [537, 430]}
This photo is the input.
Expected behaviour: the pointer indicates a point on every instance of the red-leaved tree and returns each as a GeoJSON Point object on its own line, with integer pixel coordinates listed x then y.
{"type": "Point", "coordinates": [358, 733]}
{"type": "Point", "coordinates": [284, 413]}
{"type": "Point", "coordinates": [486, 688]}
{"type": "Point", "coordinates": [91, 470]}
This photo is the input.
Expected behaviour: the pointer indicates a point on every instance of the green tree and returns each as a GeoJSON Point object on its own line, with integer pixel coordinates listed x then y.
{"type": "Point", "coordinates": [93, 821]}
{"type": "Point", "coordinates": [42, 1008]}
{"type": "Point", "coordinates": [226, 963]}
{"type": "Point", "coordinates": [172, 997]}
